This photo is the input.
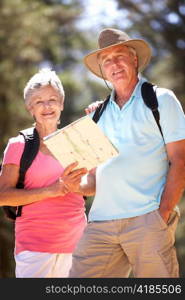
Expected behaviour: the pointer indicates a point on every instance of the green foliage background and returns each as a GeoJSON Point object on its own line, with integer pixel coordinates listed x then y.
{"type": "Point", "coordinates": [36, 33]}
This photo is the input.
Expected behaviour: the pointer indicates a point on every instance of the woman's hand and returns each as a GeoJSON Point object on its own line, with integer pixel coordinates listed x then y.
{"type": "Point", "coordinates": [92, 107]}
{"type": "Point", "coordinates": [72, 178]}
{"type": "Point", "coordinates": [69, 180]}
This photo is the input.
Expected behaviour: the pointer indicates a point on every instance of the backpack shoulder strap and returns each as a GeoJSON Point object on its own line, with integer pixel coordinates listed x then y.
{"type": "Point", "coordinates": [100, 109]}
{"type": "Point", "coordinates": [148, 91]}
{"type": "Point", "coordinates": [31, 149]}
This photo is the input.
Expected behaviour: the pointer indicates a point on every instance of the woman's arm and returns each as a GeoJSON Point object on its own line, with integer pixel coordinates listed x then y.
{"type": "Point", "coordinates": [11, 196]}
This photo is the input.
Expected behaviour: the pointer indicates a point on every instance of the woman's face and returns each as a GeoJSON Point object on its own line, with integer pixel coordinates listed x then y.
{"type": "Point", "coordinates": [45, 105]}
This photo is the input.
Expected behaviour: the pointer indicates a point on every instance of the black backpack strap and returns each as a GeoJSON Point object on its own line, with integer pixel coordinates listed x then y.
{"type": "Point", "coordinates": [148, 92]}
{"type": "Point", "coordinates": [31, 149]}
{"type": "Point", "coordinates": [100, 109]}
{"type": "Point", "coordinates": [32, 143]}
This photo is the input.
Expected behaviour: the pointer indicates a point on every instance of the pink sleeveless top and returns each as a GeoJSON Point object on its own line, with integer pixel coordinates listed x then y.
{"type": "Point", "coordinates": [53, 225]}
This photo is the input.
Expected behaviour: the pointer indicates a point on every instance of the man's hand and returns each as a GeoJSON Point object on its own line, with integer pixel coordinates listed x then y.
{"type": "Point", "coordinates": [92, 107]}
{"type": "Point", "coordinates": [165, 215]}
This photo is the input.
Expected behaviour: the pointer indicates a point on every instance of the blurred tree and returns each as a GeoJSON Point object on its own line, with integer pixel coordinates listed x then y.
{"type": "Point", "coordinates": [162, 23]}
{"type": "Point", "coordinates": [7, 263]}
{"type": "Point", "coordinates": [35, 33]}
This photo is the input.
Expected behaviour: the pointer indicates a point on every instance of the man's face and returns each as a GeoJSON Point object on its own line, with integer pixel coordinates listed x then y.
{"type": "Point", "coordinates": [118, 64]}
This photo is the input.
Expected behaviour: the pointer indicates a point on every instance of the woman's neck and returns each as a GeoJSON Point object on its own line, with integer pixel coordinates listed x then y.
{"type": "Point", "coordinates": [44, 130]}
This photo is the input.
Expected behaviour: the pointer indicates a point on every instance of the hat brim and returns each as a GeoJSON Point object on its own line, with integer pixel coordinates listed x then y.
{"type": "Point", "coordinates": [142, 48]}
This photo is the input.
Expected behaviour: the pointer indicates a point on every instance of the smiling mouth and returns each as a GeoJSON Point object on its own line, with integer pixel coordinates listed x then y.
{"type": "Point", "coordinates": [48, 114]}
{"type": "Point", "coordinates": [117, 72]}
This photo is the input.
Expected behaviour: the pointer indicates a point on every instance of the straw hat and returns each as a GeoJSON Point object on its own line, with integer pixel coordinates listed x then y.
{"type": "Point", "coordinates": [111, 37]}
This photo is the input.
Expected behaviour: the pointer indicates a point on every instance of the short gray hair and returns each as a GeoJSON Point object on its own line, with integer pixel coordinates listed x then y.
{"type": "Point", "coordinates": [44, 77]}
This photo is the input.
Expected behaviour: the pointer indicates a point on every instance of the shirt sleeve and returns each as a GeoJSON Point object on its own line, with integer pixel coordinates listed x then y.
{"type": "Point", "coordinates": [13, 151]}
{"type": "Point", "coordinates": [172, 117]}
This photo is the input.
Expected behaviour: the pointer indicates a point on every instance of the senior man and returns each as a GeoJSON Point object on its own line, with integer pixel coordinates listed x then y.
{"type": "Point", "coordinates": [132, 219]}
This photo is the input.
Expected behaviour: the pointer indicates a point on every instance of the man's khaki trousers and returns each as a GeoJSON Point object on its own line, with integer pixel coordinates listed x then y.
{"type": "Point", "coordinates": [143, 245]}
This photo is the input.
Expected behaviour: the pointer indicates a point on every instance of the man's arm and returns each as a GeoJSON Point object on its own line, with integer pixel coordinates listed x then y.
{"type": "Point", "coordinates": [175, 183]}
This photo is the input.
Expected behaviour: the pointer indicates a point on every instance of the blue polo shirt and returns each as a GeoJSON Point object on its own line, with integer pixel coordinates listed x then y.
{"type": "Point", "coordinates": [131, 184]}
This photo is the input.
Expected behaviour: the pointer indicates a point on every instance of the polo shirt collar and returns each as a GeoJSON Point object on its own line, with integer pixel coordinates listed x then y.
{"type": "Point", "coordinates": [136, 93]}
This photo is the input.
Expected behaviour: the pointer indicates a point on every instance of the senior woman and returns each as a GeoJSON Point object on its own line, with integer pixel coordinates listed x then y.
{"type": "Point", "coordinates": [53, 215]}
